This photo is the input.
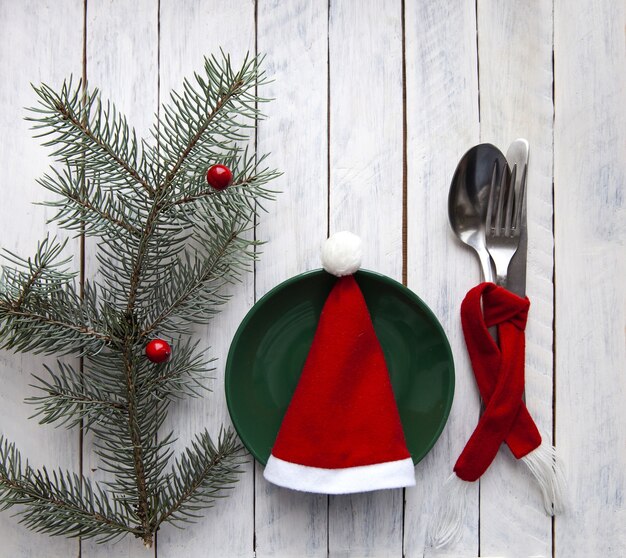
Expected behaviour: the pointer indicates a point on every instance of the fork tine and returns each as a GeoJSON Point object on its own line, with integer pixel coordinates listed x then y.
{"type": "Point", "coordinates": [505, 212]}
{"type": "Point", "coordinates": [492, 193]}
{"type": "Point", "coordinates": [520, 200]}
{"type": "Point", "coordinates": [510, 196]}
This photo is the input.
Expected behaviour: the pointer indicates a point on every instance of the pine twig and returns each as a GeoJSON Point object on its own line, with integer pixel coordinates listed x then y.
{"type": "Point", "coordinates": [87, 512]}
{"type": "Point", "coordinates": [190, 289]}
{"type": "Point", "coordinates": [211, 192]}
{"type": "Point", "coordinates": [143, 506]}
{"type": "Point", "coordinates": [86, 204]}
{"type": "Point", "coordinates": [230, 93]}
{"type": "Point", "coordinates": [87, 332]}
{"type": "Point", "coordinates": [84, 128]}
{"type": "Point", "coordinates": [206, 471]}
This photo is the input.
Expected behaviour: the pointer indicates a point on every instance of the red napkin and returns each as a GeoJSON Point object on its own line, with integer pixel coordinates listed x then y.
{"type": "Point", "coordinates": [499, 373]}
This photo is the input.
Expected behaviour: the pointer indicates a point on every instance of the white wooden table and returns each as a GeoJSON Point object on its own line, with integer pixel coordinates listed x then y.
{"type": "Point", "coordinates": [375, 103]}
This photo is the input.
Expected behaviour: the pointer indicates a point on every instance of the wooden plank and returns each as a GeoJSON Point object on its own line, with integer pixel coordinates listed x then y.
{"type": "Point", "coordinates": [189, 31]}
{"type": "Point", "coordinates": [122, 62]}
{"type": "Point", "coordinates": [515, 62]}
{"type": "Point", "coordinates": [365, 65]}
{"type": "Point", "coordinates": [290, 523]}
{"type": "Point", "coordinates": [442, 123]}
{"type": "Point", "coordinates": [590, 231]}
{"type": "Point", "coordinates": [39, 42]}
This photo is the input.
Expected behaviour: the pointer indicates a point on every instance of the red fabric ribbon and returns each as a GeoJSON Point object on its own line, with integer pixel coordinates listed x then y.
{"type": "Point", "coordinates": [499, 373]}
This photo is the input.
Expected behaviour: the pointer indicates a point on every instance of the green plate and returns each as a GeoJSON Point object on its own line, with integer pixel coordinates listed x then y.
{"type": "Point", "coordinates": [271, 345]}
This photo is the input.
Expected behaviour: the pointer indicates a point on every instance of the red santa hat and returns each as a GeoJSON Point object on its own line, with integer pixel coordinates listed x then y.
{"type": "Point", "coordinates": [342, 431]}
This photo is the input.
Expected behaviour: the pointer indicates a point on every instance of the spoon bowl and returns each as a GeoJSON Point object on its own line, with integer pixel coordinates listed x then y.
{"type": "Point", "coordinates": [469, 196]}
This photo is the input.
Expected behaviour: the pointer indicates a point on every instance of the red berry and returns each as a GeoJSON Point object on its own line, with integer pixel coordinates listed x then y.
{"type": "Point", "coordinates": [219, 177]}
{"type": "Point", "coordinates": [158, 350]}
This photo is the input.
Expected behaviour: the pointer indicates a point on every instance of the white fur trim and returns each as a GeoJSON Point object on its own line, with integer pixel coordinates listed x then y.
{"type": "Point", "coordinates": [393, 474]}
{"type": "Point", "coordinates": [547, 469]}
{"type": "Point", "coordinates": [341, 254]}
{"type": "Point", "coordinates": [445, 525]}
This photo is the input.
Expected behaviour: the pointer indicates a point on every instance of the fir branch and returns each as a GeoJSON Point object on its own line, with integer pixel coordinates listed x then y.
{"type": "Point", "coordinates": [247, 181]}
{"type": "Point", "coordinates": [186, 373]}
{"type": "Point", "coordinates": [219, 223]}
{"type": "Point", "coordinates": [36, 273]}
{"type": "Point", "coordinates": [113, 436]}
{"type": "Point", "coordinates": [61, 503]}
{"type": "Point", "coordinates": [79, 124]}
{"type": "Point", "coordinates": [84, 129]}
{"type": "Point", "coordinates": [72, 399]}
{"type": "Point", "coordinates": [143, 500]}
{"type": "Point", "coordinates": [26, 330]}
{"type": "Point", "coordinates": [84, 202]}
{"type": "Point", "coordinates": [164, 259]}
{"type": "Point", "coordinates": [220, 96]}
{"type": "Point", "coordinates": [205, 120]}
{"type": "Point", "coordinates": [191, 279]}
{"type": "Point", "coordinates": [138, 264]}
{"type": "Point", "coordinates": [40, 309]}
{"type": "Point", "coordinates": [203, 126]}
{"type": "Point", "coordinates": [39, 275]}
{"type": "Point", "coordinates": [199, 476]}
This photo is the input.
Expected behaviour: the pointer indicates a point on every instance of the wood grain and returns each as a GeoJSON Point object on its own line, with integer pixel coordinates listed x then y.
{"type": "Point", "coordinates": [442, 123]}
{"type": "Point", "coordinates": [191, 30]}
{"type": "Point", "coordinates": [289, 523]}
{"type": "Point", "coordinates": [590, 227]}
{"type": "Point", "coordinates": [39, 42]}
{"type": "Point", "coordinates": [515, 62]}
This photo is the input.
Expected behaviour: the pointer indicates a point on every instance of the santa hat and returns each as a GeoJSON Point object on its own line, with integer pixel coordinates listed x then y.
{"type": "Point", "coordinates": [342, 431]}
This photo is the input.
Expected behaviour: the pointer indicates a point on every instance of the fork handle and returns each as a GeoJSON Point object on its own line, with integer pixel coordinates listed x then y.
{"type": "Point", "coordinates": [485, 264]}
{"type": "Point", "coordinates": [501, 279]}
{"type": "Point", "coordinates": [501, 263]}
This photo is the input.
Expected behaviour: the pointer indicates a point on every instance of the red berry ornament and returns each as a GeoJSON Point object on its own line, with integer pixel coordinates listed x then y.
{"type": "Point", "coordinates": [158, 350]}
{"type": "Point", "coordinates": [219, 177]}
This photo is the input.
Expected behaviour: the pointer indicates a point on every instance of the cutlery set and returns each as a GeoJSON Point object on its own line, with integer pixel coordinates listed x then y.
{"type": "Point", "coordinates": [487, 203]}
{"type": "Point", "coordinates": [487, 210]}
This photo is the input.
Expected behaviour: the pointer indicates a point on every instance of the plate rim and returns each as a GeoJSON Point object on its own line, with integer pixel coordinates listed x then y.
{"type": "Point", "coordinates": [320, 271]}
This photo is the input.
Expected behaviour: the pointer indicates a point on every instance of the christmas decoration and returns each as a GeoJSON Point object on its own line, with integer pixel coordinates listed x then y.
{"type": "Point", "coordinates": [158, 351]}
{"type": "Point", "coordinates": [342, 431]}
{"type": "Point", "coordinates": [167, 244]}
{"type": "Point", "coordinates": [219, 177]}
{"type": "Point", "coordinates": [499, 372]}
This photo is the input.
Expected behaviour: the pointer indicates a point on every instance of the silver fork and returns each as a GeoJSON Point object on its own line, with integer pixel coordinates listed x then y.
{"type": "Point", "coordinates": [504, 219]}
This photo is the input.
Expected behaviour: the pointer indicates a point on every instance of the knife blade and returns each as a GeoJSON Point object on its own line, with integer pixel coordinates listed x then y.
{"type": "Point", "coordinates": [518, 154]}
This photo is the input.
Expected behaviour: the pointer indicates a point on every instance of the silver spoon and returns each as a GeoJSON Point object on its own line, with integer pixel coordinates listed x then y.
{"type": "Point", "coordinates": [468, 198]}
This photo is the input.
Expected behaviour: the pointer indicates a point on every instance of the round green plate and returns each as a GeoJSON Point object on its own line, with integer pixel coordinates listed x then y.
{"type": "Point", "coordinates": [271, 345]}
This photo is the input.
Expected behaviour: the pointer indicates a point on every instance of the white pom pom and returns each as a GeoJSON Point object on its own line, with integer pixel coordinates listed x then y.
{"type": "Point", "coordinates": [341, 254]}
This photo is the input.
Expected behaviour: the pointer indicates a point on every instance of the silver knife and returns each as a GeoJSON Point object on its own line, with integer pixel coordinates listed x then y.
{"type": "Point", "coordinates": [517, 154]}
